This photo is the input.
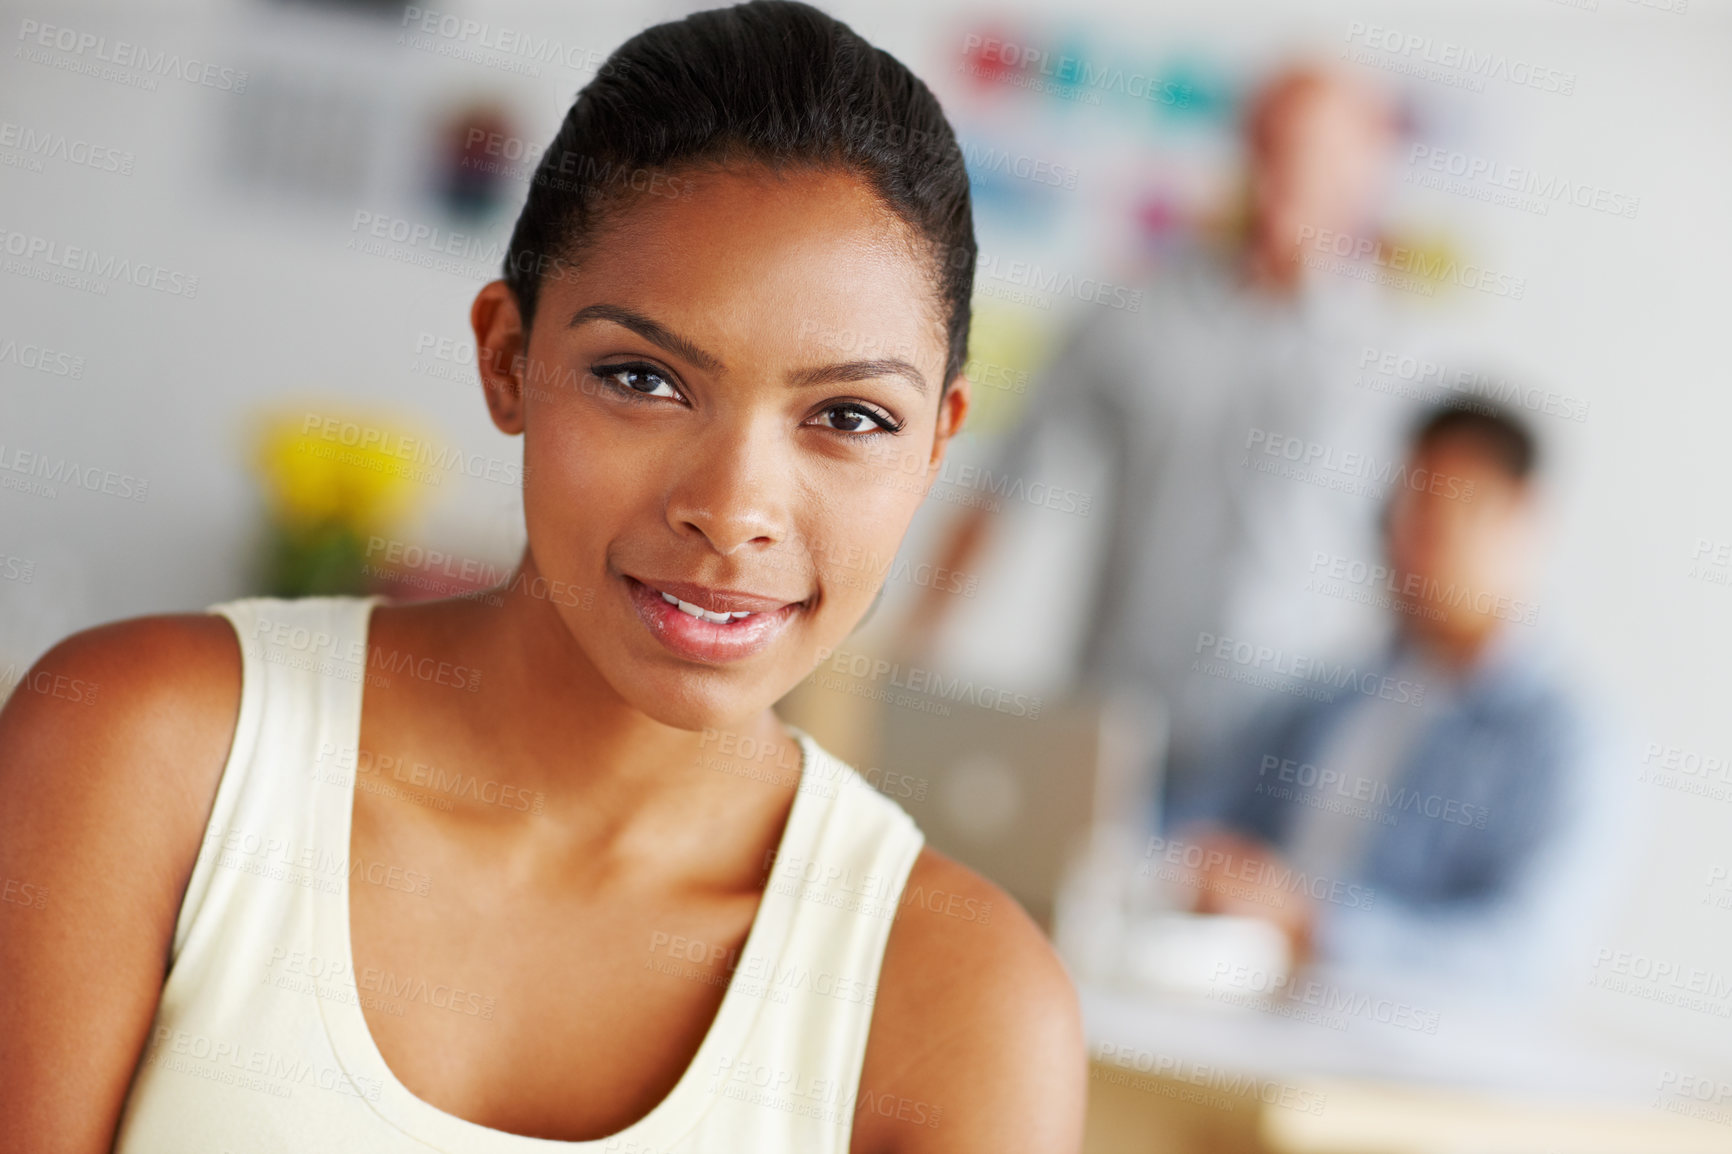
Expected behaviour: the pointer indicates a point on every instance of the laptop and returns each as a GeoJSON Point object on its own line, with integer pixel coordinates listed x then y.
{"type": "Point", "coordinates": [1018, 799]}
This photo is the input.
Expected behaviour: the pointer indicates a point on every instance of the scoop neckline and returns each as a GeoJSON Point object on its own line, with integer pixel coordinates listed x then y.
{"type": "Point", "coordinates": [669, 1120]}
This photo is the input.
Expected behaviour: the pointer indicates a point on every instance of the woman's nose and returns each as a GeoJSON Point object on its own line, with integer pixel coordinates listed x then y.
{"type": "Point", "coordinates": [734, 489]}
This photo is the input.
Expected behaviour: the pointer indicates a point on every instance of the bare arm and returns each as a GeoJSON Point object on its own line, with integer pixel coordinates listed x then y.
{"type": "Point", "coordinates": [110, 754]}
{"type": "Point", "coordinates": [977, 1044]}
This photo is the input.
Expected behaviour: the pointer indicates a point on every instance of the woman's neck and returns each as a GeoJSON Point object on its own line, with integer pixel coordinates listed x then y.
{"type": "Point", "coordinates": [543, 720]}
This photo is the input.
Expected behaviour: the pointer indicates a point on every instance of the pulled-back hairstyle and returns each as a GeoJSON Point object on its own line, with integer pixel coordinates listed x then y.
{"type": "Point", "coordinates": [773, 81]}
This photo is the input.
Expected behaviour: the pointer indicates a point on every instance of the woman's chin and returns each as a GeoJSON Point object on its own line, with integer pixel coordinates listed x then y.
{"type": "Point", "coordinates": [698, 703]}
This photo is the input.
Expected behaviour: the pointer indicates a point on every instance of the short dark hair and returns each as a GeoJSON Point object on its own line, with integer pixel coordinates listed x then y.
{"type": "Point", "coordinates": [773, 81]}
{"type": "Point", "coordinates": [1504, 438]}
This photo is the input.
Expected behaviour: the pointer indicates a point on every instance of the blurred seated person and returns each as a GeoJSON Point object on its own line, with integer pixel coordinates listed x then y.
{"type": "Point", "coordinates": [1461, 826]}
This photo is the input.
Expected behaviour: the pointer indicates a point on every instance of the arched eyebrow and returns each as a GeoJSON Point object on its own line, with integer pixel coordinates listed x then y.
{"type": "Point", "coordinates": [652, 331]}
{"type": "Point", "coordinates": [658, 334]}
{"type": "Point", "coordinates": [843, 372]}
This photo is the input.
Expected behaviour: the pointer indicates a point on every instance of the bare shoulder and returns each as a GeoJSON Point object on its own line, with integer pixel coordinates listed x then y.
{"type": "Point", "coordinates": [976, 1039]}
{"type": "Point", "coordinates": [151, 686]}
{"type": "Point", "coordinates": [111, 749]}
{"type": "Point", "coordinates": [112, 745]}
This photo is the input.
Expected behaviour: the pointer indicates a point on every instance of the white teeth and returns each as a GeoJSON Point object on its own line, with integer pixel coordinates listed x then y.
{"type": "Point", "coordinates": [701, 613]}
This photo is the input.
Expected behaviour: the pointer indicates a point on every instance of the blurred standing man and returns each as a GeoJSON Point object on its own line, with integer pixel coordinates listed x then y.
{"type": "Point", "coordinates": [1230, 357]}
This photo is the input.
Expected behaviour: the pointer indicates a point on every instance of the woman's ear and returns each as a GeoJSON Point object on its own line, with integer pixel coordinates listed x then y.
{"type": "Point", "coordinates": [501, 353]}
{"type": "Point", "coordinates": [952, 410]}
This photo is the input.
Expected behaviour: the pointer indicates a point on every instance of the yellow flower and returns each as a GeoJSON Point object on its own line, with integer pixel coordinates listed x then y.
{"type": "Point", "coordinates": [355, 469]}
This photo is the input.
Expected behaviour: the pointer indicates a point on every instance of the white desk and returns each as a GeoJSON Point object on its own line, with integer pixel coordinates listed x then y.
{"type": "Point", "coordinates": [1483, 1082]}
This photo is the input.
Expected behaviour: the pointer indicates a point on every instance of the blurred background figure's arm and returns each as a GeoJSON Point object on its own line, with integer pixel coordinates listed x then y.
{"type": "Point", "coordinates": [1070, 399]}
{"type": "Point", "coordinates": [1235, 829]}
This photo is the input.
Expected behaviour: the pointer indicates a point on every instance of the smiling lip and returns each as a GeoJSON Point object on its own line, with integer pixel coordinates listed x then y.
{"type": "Point", "coordinates": [699, 639]}
{"type": "Point", "coordinates": [717, 600]}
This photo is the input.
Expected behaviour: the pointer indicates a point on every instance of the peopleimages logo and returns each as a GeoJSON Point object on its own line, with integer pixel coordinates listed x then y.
{"type": "Point", "coordinates": [916, 680]}
{"type": "Point", "coordinates": [1190, 1081]}
{"type": "Point", "coordinates": [123, 54]}
{"type": "Point", "coordinates": [1664, 980]}
{"type": "Point", "coordinates": [1267, 991]}
{"type": "Point", "coordinates": [46, 472]}
{"type": "Point", "coordinates": [1028, 63]}
{"type": "Point", "coordinates": [1257, 873]}
{"type": "Point", "coordinates": [1398, 258]}
{"type": "Point", "coordinates": [438, 459]}
{"type": "Point", "coordinates": [1348, 471]}
{"type": "Point", "coordinates": [983, 159]}
{"type": "Point", "coordinates": [479, 35]}
{"type": "Point", "coordinates": [1022, 274]}
{"type": "Point", "coordinates": [1694, 1095]}
{"type": "Point", "coordinates": [1416, 591]}
{"type": "Point", "coordinates": [1357, 788]}
{"type": "Point", "coordinates": [1474, 171]}
{"type": "Point", "coordinates": [40, 359]}
{"type": "Point", "coordinates": [1265, 661]}
{"type": "Point", "coordinates": [103, 266]}
{"type": "Point", "coordinates": [40, 145]}
{"type": "Point", "coordinates": [1415, 49]}
{"type": "Point", "coordinates": [1430, 379]}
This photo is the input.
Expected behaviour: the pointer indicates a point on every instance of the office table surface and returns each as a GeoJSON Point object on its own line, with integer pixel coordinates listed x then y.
{"type": "Point", "coordinates": [1348, 1083]}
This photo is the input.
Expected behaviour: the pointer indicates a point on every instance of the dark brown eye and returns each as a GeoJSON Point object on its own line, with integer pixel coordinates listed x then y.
{"type": "Point", "coordinates": [643, 380]}
{"type": "Point", "coordinates": [857, 418]}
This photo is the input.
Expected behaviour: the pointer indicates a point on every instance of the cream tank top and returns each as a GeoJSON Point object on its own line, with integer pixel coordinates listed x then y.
{"type": "Point", "coordinates": [259, 1044]}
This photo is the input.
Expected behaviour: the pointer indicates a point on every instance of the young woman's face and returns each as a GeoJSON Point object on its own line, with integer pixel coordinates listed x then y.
{"type": "Point", "coordinates": [732, 400]}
